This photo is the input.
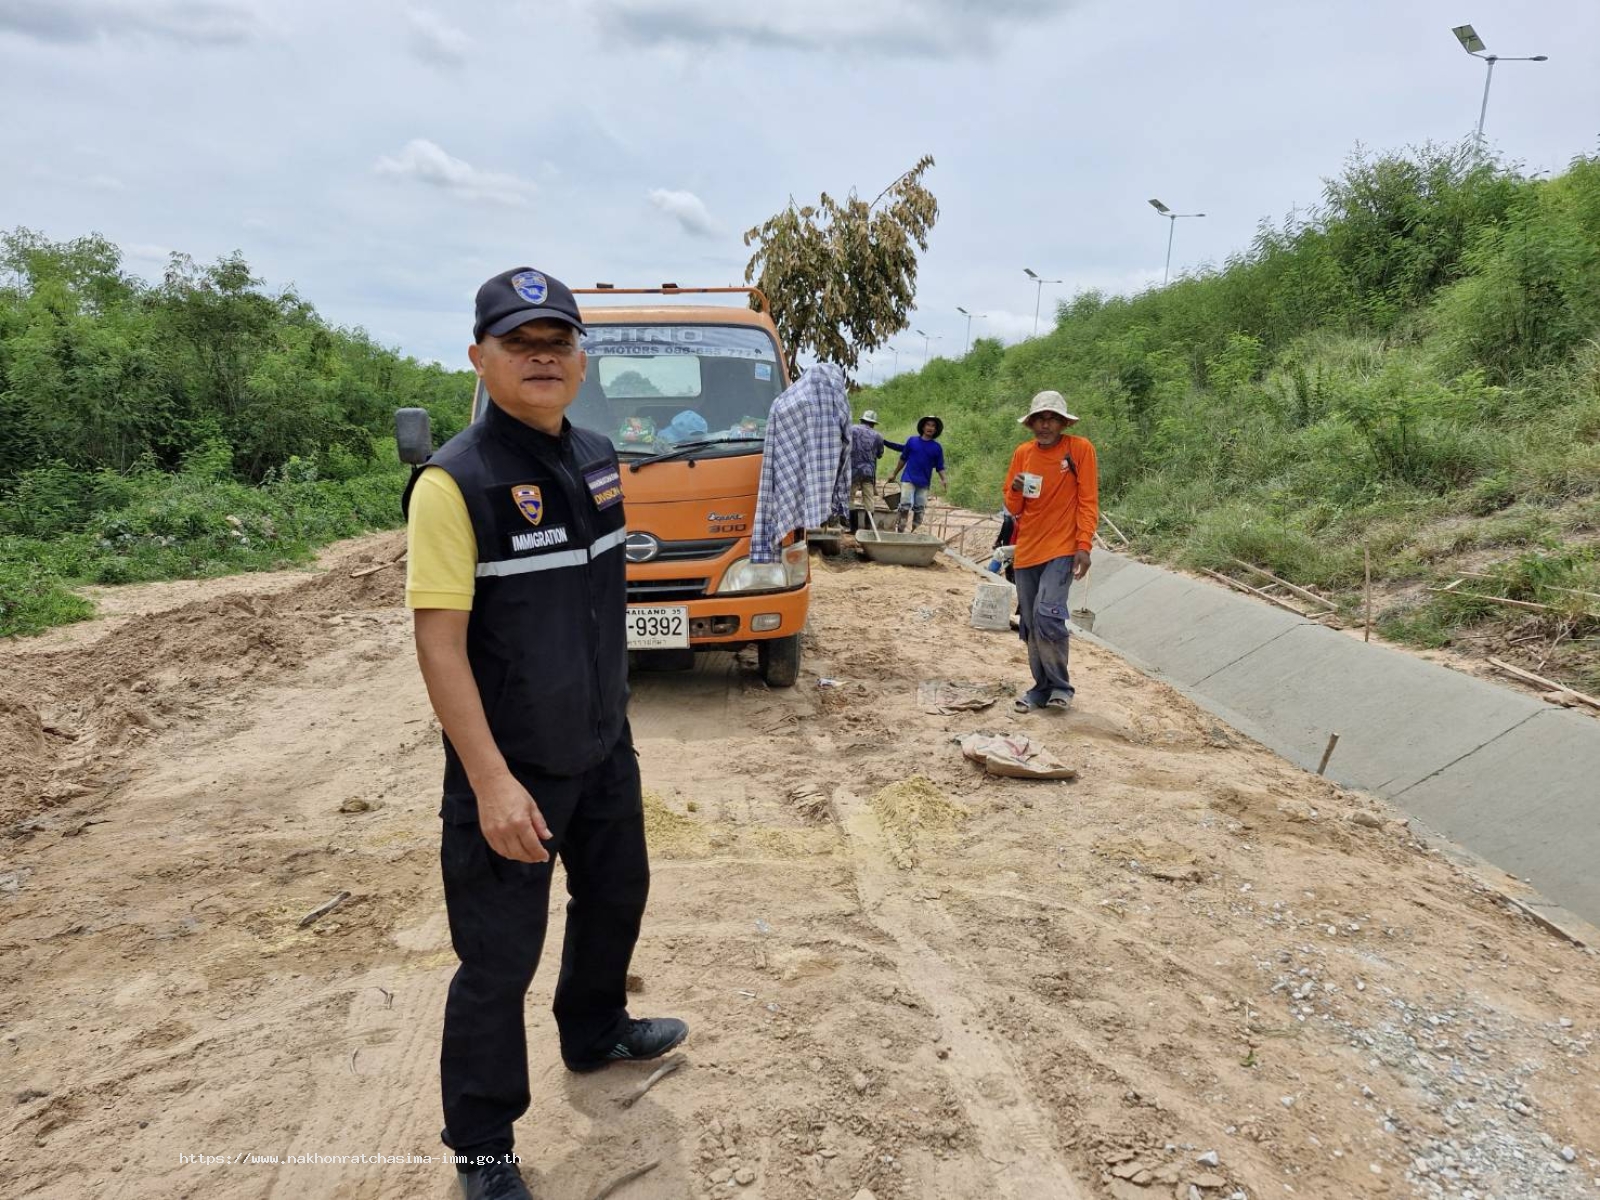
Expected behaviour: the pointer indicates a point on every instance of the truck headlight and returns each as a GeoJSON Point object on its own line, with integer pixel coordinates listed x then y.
{"type": "Point", "coordinates": [746, 576]}
{"type": "Point", "coordinates": [790, 571]}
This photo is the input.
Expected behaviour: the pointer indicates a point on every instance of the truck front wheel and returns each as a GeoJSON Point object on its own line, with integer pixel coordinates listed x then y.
{"type": "Point", "coordinates": [779, 660]}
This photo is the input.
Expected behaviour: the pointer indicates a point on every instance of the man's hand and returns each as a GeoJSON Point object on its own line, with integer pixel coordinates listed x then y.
{"type": "Point", "coordinates": [1016, 483]}
{"type": "Point", "coordinates": [1080, 564]}
{"type": "Point", "coordinates": [511, 822]}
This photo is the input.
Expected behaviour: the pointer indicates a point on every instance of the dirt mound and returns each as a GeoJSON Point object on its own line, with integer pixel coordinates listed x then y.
{"type": "Point", "coordinates": [68, 713]}
{"type": "Point", "coordinates": [101, 699]}
{"type": "Point", "coordinates": [348, 581]}
{"type": "Point", "coordinates": [911, 810]}
{"type": "Point", "coordinates": [22, 749]}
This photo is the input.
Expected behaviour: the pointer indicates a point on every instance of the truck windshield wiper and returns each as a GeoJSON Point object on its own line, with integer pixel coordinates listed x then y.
{"type": "Point", "coordinates": [683, 448]}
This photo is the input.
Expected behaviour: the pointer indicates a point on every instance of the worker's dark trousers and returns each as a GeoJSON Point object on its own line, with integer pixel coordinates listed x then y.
{"type": "Point", "coordinates": [1042, 593]}
{"type": "Point", "coordinates": [497, 909]}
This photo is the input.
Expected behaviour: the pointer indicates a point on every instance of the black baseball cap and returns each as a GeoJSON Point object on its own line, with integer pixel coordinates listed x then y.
{"type": "Point", "coordinates": [520, 295]}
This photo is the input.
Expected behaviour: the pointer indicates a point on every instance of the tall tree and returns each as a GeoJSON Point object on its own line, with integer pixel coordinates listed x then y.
{"type": "Point", "coordinates": [842, 276]}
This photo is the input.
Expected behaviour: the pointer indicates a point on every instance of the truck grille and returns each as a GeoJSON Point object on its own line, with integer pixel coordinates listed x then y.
{"type": "Point", "coordinates": [678, 551]}
{"type": "Point", "coordinates": [665, 591]}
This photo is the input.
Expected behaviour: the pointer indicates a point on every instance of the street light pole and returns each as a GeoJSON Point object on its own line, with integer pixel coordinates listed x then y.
{"type": "Point", "coordinates": [926, 338]}
{"type": "Point", "coordinates": [969, 316]}
{"type": "Point", "coordinates": [1171, 229]}
{"type": "Point", "coordinates": [1473, 45]}
{"type": "Point", "coordinates": [1037, 293]}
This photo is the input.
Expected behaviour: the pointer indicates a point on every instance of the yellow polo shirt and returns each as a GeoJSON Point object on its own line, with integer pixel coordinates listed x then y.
{"type": "Point", "coordinates": [442, 550]}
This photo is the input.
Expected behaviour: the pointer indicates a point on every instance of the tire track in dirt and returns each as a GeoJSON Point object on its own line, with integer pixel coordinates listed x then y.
{"type": "Point", "coordinates": [1012, 1129]}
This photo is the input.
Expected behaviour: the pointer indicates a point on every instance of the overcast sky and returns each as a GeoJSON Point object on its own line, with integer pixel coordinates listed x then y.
{"type": "Point", "coordinates": [384, 159]}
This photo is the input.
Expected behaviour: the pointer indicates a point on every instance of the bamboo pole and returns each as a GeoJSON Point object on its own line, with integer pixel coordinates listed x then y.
{"type": "Point", "coordinates": [1366, 555]}
{"type": "Point", "coordinates": [1106, 517]}
{"type": "Point", "coordinates": [1298, 591]}
{"type": "Point", "coordinates": [1529, 605]}
{"type": "Point", "coordinates": [1245, 587]}
{"type": "Point", "coordinates": [1549, 684]}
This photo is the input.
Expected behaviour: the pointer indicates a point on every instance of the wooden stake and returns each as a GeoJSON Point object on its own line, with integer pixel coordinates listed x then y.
{"type": "Point", "coordinates": [1548, 684]}
{"type": "Point", "coordinates": [1107, 519]}
{"type": "Point", "coordinates": [1333, 740]}
{"type": "Point", "coordinates": [1303, 593]}
{"type": "Point", "coordinates": [1366, 554]}
{"type": "Point", "coordinates": [323, 910]}
{"type": "Point", "coordinates": [661, 1072]}
{"type": "Point", "coordinates": [380, 567]}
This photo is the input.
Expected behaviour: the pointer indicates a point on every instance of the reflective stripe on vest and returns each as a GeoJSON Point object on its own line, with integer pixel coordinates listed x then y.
{"type": "Point", "coordinates": [550, 562]}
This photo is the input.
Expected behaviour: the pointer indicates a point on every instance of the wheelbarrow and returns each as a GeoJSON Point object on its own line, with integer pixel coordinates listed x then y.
{"type": "Point", "coordinates": [898, 549]}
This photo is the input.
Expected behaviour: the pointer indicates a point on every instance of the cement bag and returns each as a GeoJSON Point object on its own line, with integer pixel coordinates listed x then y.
{"type": "Point", "coordinates": [992, 604]}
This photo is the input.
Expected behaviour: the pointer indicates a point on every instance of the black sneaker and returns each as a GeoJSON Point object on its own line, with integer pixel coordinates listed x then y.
{"type": "Point", "coordinates": [648, 1038]}
{"type": "Point", "coordinates": [494, 1181]}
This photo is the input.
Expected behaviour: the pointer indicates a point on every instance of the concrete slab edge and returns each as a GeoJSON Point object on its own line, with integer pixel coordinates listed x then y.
{"type": "Point", "coordinates": [1549, 915]}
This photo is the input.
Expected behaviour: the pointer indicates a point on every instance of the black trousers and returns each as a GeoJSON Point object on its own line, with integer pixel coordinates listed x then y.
{"type": "Point", "coordinates": [497, 909]}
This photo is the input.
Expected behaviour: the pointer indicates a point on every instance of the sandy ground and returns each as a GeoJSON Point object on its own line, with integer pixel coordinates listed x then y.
{"type": "Point", "coordinates": [1195, 971]}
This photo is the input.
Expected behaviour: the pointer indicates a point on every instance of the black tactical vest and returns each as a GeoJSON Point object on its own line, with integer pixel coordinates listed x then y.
{"type": "Point", "coordinates": [547, 638]}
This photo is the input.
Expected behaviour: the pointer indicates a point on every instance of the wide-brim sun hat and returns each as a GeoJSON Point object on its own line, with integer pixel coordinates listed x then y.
{"type": "Point", "coordinates": [870, 417]}
{"type": "Point", "coordinates": [1049, 402]}
{"type": "Point", "coordinates": [938, 425]}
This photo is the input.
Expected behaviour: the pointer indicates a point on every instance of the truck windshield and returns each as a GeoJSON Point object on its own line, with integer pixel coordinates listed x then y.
{"type": "Point", "coordinates": [655, 388]}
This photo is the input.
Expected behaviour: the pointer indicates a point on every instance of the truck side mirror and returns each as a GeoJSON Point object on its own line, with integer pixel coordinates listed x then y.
{"type": "Point", "coordinates": [413, 435]}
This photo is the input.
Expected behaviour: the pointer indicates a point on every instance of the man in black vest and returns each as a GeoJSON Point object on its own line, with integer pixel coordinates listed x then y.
{"type": "Point", "coordinates": [516, 578]}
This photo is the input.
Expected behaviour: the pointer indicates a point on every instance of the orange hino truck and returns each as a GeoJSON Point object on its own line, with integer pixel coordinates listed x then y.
{"type": "Point", "coordinates": [683, 391]}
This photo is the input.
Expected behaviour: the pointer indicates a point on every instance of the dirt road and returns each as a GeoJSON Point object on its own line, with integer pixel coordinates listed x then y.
{"type": "Point", "coordinates": [1193, 972]}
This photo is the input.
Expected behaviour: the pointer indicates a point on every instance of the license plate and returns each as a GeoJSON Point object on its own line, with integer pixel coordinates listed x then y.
{"type": "Point", "coordinates": [658, 627]}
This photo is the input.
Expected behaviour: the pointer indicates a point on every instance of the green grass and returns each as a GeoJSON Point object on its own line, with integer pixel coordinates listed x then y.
{"type": "Point", "coordinates": [153, 525]}
{"type": "Point", "coordinates": [1413, 372]}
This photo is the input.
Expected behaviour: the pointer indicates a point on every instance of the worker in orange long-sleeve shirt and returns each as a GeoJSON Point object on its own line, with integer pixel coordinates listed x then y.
{"type": "Point", "coordinates": [1053, 490]}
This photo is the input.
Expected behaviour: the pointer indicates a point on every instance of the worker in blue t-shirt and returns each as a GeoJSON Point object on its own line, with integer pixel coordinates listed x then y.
{"type": "Point", "coordinates": [922, 456]}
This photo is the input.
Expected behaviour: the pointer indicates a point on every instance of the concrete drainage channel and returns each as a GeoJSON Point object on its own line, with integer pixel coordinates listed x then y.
{"type": "Point", "coordinates": [1506, 776]}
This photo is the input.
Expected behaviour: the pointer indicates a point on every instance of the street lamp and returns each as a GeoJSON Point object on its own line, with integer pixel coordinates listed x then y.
{"type": "Point", "coordinates": [969, 316]}
{"type": "Point", "coordinates": [926, 338]}
{"type": "Point", "coordinates": [1171, 229]}
{"type": "Point", "coordinates": [894, 350]}
{"type": "Point", "coordinates": [1473, 45]}
{"type": "Point", "coordinates": [1037, 293]}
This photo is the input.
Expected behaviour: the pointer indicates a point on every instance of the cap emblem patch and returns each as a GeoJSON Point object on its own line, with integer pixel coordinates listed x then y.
{"type": "Point", "coordinates": [531, 286]}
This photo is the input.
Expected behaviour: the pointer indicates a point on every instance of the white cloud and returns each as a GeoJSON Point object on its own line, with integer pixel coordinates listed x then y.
{"type": "Point", "coordinates": [426, 162]}
{"type": "Point", "coordinates": [435, 42]}
{"type": "Point", "coordinates": [687, 209]}
{"type": "Point", "coordinates": [77, 22]}
{"type": "Point", "coordinates": [913, 28]}
{"type": "Point", "coordinates": [98, 182]}
{"type": "Point", "coordinates": [146, 252]}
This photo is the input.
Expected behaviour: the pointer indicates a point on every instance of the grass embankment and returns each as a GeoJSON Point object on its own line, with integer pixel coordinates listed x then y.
{"type": "Point", "coordinates": [1413, 370]}
{"type": "Point", "coordinates": [60, 529]}
{"type": "Point", "coordinates": [195, 427]}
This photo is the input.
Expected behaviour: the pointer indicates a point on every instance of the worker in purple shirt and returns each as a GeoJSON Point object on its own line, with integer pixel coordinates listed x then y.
{"type": "Point", "coordinates": [921, 457]}
{"type": "Point", "coordinates": [866, 448]}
